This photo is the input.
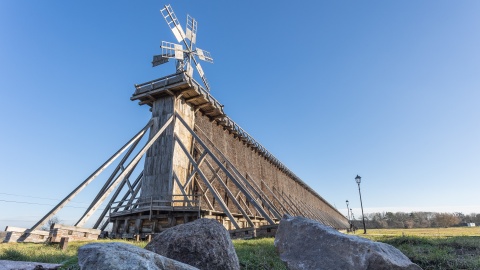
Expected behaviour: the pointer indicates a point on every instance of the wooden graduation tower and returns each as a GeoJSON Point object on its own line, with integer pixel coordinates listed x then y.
{"type": "Point", "coordinates": [197, 162]}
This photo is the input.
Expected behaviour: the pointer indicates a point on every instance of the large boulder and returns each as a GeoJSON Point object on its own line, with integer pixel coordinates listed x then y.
{"type": "Point", "coordinates": [306, 244]}
{"type": "Point", "coordinates": [121, 256]}
{"type": "Point", "coordinates": [203, 243]}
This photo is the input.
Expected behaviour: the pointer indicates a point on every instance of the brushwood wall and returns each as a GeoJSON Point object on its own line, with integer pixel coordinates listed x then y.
{"type": "Point", "coordinates": [263, 172]}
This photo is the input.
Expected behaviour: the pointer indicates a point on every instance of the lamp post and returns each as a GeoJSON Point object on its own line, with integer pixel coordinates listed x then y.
{"type": "Point", "coordinates": [348, 212]}
{"type": "Point", "coordinates": [349, 223]}
{"type": "Point", "coordinates": [358, 179]}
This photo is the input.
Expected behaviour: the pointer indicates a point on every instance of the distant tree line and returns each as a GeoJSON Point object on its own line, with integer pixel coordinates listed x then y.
{"type": "Point", "coordinates": [415, 220]}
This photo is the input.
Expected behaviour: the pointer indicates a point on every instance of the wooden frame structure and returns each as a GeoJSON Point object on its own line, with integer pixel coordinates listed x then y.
{"type": "Point", "coordinates": [200, 181]}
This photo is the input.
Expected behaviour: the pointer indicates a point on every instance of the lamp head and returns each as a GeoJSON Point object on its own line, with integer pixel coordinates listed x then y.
{"type": "Point", "coordinates": [358, 179]}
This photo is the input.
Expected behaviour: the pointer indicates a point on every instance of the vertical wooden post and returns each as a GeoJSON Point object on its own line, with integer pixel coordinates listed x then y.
{"type": "Point", "coordinates": [126, 226]}
{"type": "Point", "coordinates": [115, 229]}
{"type": "Point", "coordinates": [138, 225]}
{"type": "Point", "coordinates": [64, 243]}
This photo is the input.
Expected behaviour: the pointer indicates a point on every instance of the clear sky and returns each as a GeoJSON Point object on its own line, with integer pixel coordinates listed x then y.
{"type": "Point", "coordinates": [388, 90]}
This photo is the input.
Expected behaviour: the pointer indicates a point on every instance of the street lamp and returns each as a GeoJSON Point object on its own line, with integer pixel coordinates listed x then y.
{"type": "Point", "coordinates": [358, 179]}
{"type": "Point", "coordinates": [349, 223]}
{"type": "Point", "coordinates": [348, 211]}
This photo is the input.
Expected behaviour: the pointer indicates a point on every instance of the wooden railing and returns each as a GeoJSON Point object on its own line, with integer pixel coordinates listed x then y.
{"type": "Point", "coordinates": [177, 203]}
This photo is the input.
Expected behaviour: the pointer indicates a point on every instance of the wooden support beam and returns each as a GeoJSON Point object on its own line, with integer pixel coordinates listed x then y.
{"type": "Point", "coordinates": [112, 200]}
{"type": "Point", "coordinates": [89, 179]}
{"type": "Point", "coordinates": [202, 176]}
{"type": "Point", "coordinates": [199, 163]}
{"type": "Point", "coordinates": [246, 206]}
{"type": "Point", "coordinates": [110, 180]}
{"type": "Point", "coordinates": [193, 98]}
{"type": "Point", "coordinates": [99, 200]}
{"type": "Point", "coordinates": [132, 197]}
{"type": "Point", "coordinates": [130, 167]}
{"type": "Point", "coordinates": [200, 106]}
{"type": "Point", "coordinates": [229, 175]}
{"type": "Point", "coordinates": [264, 199]}
{"type": "Point", "coordinates": [275, 197]}
{"type": "Point", "coordinates": [262, 196]}
{"type": "Point", "coordinates": [321, 217]}
{"type": "Point", "coordinates": [180, 95]}
{"type": "Point", "coordinates": [290, 207]}
{"type": "Point", "coordinates": [128, 194]}
{"type": "Point", "coordinates": [130, 188]}
{"type": "Point", "coordinates": [309, 209]}
{"type": "Point", "coordinates": [299, 212]}
{"type": "Point", "coordinates": [229, 193]}
{"type": "Point", "coordinates": [181, 189]}
{"type": "Point", "coordinates": [210, 206]}
{"type": "Point", "coordinates": [218, 116]}
{"type": "Point", "coordinates": [149, 102]}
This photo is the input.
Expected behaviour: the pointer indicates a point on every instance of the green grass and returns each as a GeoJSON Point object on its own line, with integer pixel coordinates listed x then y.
{"type": "Point", "coordinates": [252, 254]}
{"type": "Point", "coordinates": [434, 248]}
{"type": "Point", "coordinates": [439, 249]}
{"type": "Point", "coordinates": [427, 232]}
{"type": "Point", "coordinates": [47, 253]}
{"type": "Point", "coordinates": [257, 254]}
{"type": "Point", "coordinates": [459, 252]}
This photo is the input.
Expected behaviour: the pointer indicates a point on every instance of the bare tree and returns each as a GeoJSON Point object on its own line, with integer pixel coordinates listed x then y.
{"type": "Point", "coordinates": [50, 222]}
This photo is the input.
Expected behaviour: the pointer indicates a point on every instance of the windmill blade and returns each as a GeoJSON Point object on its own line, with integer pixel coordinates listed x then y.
{"type": "Point", "coordinates": [204, 55]}
{"type": "Point", "coordinates": [202, 74]}
{"type": "Point", "coordinates": [173, 24]}
{"type": "Point", "coordinates": [189, 70]}
{"type": "Point", "coordinates": [159, 59]}
{"type": "Point", "coordinates": [191, 30]}
{"type": "Point", "coordinates": [172, 50]}
{"type": "Point", "coordinates": [199, 69]}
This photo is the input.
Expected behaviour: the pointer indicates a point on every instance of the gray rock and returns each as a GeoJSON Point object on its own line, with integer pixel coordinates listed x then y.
{"type": "Point", "coordinates": [15, 265]}
{"type": "Point", "coordinates": [306, 244]}
{"type": "Point", "coordinates": [203, 243]}
{"type": "Point", "coordinates": [119, 256]}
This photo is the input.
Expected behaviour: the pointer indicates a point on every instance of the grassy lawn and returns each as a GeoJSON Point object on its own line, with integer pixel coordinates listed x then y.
{"type": "Point", "coordinates": [427, 232]}
{"type": "Point", "coordinates": [252, 254]}
{"type": "Point", "coordinates": [257, 254]}
{"type": "Point", "coordinates": [48, 253]}
{"type": "Point", "coordinates": [434, 248]}
{"type": "Point", "coordinates": [439, 249]}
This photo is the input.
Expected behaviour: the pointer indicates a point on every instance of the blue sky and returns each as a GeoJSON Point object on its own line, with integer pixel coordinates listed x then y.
{"type": "Point", "coordinates": [388, 90]}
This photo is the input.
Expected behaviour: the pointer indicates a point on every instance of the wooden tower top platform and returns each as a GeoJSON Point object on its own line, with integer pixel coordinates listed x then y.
{"type": "Point", "coordinates": [179, 84]}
